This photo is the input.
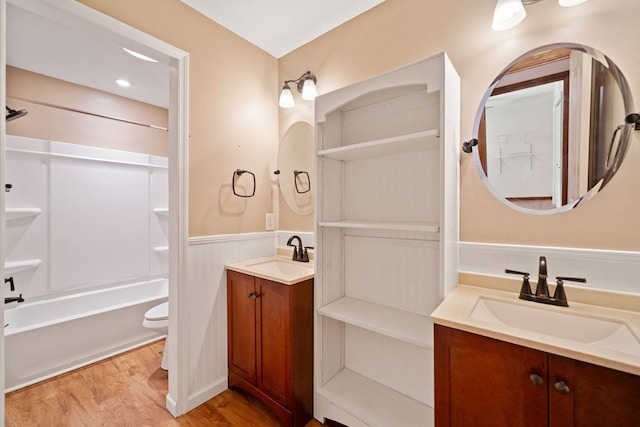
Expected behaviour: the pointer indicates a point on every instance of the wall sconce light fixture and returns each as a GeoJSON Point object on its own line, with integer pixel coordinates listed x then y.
{"type": "Point", "coordinates": [510, 13]}
{"type": "Point", "coordinates": [306, 85]}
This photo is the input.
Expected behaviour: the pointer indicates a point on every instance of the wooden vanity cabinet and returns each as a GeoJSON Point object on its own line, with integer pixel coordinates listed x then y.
{"type": "Point", "coordinates": [597, 396]}
{"type": "Point", "coordinates": [481, 381]}
{"type": "Point", "coordinates": [484, 382]}
{"type": "Point", "coordinates": [270, 344]}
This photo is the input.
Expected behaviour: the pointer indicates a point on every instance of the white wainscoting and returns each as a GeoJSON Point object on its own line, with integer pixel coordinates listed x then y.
{"type": "Point", "coordinates": [308, 237]}
{"type": "Point", "coordinates": [207, 257]}
{"type": "Point", "coordinates": [603, 269]}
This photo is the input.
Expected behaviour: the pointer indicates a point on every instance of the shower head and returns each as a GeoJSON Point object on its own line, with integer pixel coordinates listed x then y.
{"type": "Point", "coordinates": [14, 114]}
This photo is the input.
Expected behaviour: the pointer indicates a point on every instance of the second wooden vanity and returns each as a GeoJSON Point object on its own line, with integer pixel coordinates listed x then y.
{"type": "Point", "coordinates": [270, 342]}
{"type": "Point", "coordinates": [492, 373]}
{"type": "Point", "coordinates": [482, 381]}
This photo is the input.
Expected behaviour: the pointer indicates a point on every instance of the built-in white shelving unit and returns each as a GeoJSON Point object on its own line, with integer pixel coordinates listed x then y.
{"type": "Point", "coordinates": [386, 241]}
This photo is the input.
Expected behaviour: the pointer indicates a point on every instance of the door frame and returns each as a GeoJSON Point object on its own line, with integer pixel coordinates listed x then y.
{"type": "Point", "coordinates": [178, 61]}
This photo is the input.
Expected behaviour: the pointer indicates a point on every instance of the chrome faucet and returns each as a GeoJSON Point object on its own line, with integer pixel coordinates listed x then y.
{"type": "Point", "coordinates": [299, 252]}
{"type": "Point", "coordinates": [542, 289]}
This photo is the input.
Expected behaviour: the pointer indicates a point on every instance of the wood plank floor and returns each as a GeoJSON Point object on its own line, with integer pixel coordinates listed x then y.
{"type": "Point", "coordinates": [125, 390]}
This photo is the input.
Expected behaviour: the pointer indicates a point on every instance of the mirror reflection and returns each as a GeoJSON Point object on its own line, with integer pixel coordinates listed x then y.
{"type": "Point", "coordinates": [551, 129]}
{"type": "Point", "coordinates": [296, 166]}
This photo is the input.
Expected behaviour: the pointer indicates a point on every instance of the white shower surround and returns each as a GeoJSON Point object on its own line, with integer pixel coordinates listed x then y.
{"type": "Point", "coordinates": [101, 217]}
{"type": "Point", "coordinates": [87, 245]}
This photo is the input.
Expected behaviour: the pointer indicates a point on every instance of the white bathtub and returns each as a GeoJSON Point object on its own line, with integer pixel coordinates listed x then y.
{"type": "Point", "coordinates": [47, 338]}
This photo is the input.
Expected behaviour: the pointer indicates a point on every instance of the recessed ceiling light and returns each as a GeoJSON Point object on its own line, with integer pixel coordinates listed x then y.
{"type": "Point", "coordinates": [139, 55]}
{"type": "Point", "coordinates": [123, 83]}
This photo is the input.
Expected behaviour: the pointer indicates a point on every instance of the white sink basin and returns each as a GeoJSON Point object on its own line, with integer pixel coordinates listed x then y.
{"type": "Point", "coordinates": [604, 333]}
{"type": "Point", "coordinates": [276, 269]}
{"type": "Point", "coordinates": [282, 268]}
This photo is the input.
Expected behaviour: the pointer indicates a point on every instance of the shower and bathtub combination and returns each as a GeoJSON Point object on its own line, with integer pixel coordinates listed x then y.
{"type": "Point", "coordinates": [49, 337]}
{"type": "Point", "coordinates": [86, 246]}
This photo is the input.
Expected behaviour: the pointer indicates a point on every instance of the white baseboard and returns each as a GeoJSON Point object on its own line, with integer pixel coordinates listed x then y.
{"type": "Point", "coordinates": [201, 396]}
{"type": "Point", "coordinates": [172, 406]}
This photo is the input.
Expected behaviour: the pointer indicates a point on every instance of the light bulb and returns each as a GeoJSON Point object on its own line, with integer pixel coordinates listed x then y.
{"type": "Point", "coordinates": [508, 14]}
{"type": "Point", "coordinates": [309, 91]}
{"type": "Point", "coordinates": [286, 97]}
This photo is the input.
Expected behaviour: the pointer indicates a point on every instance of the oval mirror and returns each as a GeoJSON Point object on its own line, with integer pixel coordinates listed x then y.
{"type": "Point", "coordinates": [552, 130]}
{"type": "Point", "coordinates": [295, 163]}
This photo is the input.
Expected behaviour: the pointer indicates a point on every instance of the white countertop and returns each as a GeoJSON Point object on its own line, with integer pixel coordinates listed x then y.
{"type": "Point", "coordinates": [455, 311]}
{"type": "Point", "coordinates": [277, 268]}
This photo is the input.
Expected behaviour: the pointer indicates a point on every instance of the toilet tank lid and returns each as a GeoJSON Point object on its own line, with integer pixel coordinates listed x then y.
{"type": "Point", "coordinates": [159, 312]}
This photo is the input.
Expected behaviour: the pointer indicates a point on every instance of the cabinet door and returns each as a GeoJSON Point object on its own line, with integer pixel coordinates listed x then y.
{"type": "Point", "coordinates": [594, 396]}
{"type": "Point", "coordinates": [241, 317]}
{"type": "Point", "coordinates": [486, 382]}
{"type": "Point", "coordinates": [274, 341]}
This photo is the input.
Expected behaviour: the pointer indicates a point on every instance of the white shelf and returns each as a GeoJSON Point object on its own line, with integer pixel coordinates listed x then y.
{"type": "Point", "coordinates": [12, 267]}
{"type": "Point", "coordinates": [385, 147]}
{"type": "Point", "coordinates": [429, 227]}
{"type": "Point", "coordinates": [373, 403]}
{"type": "Point", "coordinates": [392, 322]}
{"type": "Point", "coordinates": [386, 194]}
{"type": "Point", "coordinates": [161, 211]}
{"type": "Point", "coordinates": [15, 213]}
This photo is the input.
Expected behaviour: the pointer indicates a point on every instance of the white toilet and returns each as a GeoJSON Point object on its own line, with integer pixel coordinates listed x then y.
{"type": "Point", "coordinates": [157, 318]}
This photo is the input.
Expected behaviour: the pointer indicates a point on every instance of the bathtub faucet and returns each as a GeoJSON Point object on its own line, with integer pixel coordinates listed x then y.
{"type": "Point", "coordinates": [13, 288]}
{"type": "Point", "coordinates": [14, 299]}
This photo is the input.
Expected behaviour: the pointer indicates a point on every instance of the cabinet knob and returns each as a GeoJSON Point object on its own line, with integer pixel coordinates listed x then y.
{"type": "Point", "coordinates": [536, 379]}
{"type": "Point", "coordinates": [562, 387]}
{"type": "Point", "coordinates": [253, 295]}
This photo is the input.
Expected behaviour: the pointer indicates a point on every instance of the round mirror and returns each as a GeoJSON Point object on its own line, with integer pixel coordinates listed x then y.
{"type": "Point", "coordinates": [552, 129]}
{"type": "Point", "coordinates": [295, 163]}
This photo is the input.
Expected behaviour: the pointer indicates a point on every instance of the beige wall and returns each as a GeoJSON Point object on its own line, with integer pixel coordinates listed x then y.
{"type": "Point", "coordinates": [398, 32]}
{"type": "Point", "coordinates": [233, 112]}
{"type": "Point", "coordinates": [235, 122]}
{"type": "Point", "coordinates": [60, 124]}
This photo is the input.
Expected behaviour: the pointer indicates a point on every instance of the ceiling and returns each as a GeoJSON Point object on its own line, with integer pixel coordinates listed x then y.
{"type": "Point", "coordinates": [88, 57]}
{"type": "Point", "coordinates": [280, 26]}
{"type": "Point", "coordinates": [82, 55]}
